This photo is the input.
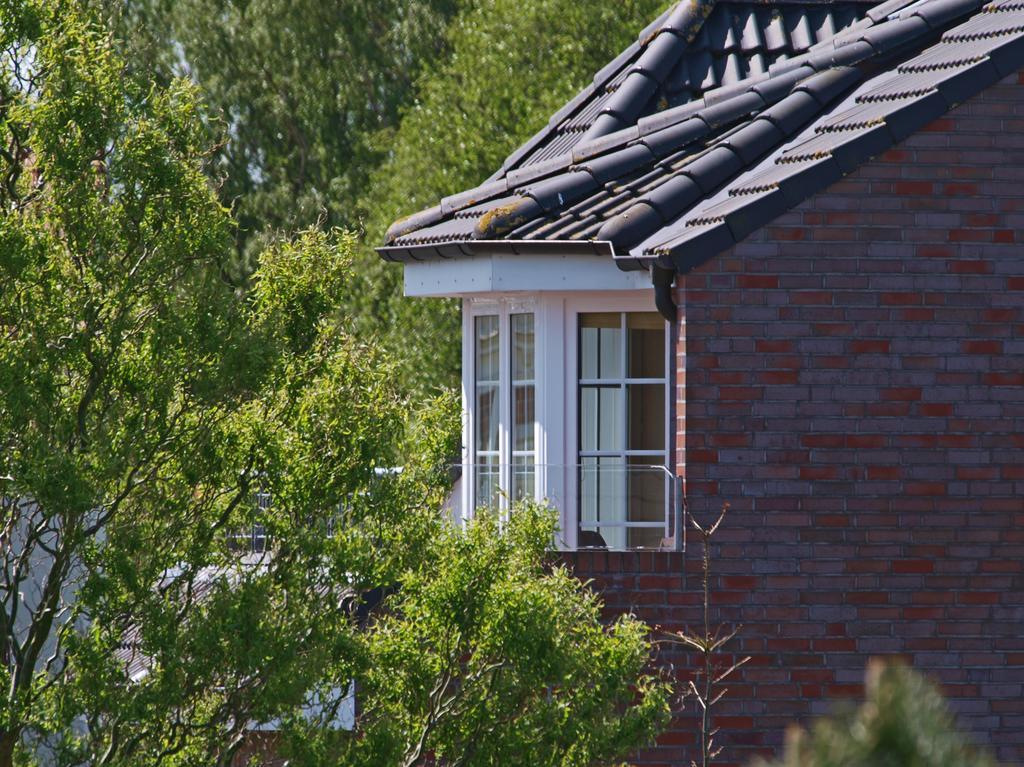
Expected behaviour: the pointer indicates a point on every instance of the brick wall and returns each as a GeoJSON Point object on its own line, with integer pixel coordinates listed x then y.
{"type": "Point", "coordinates": [854, 387]}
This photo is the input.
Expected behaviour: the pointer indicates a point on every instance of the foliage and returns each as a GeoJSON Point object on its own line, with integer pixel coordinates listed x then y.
{"type": "Point", "coordinates": [146, 403]}
{"type": "Point", "coordinates": [904, 721]}
{"type": "Point", "coordinates": [489, 657]}
{"type": "Point", "coordinates": [356, 112]}
{"type": "Point", "coordinates": [301, 87]}
{"type": "Point", "coordinates": [512, 65]}
{"type": "Point", "coordinates": [709, 644]}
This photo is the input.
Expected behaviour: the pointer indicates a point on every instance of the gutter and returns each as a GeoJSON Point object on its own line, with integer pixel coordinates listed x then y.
{"type": "Point", "coordinates": [456, 249]}
{"type": "Point", "coordinates": [662, 279]}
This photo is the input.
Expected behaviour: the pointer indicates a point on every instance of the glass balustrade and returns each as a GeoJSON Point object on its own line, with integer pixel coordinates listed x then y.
{"type": "Point", "coordinates": [620, 502]}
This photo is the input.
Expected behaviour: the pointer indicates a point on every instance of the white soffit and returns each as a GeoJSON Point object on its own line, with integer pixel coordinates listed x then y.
{"type": "Point", "coordinates": [502, 273]}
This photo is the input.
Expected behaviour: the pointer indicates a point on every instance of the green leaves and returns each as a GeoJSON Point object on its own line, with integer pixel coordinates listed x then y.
{"type": "Point", "coordinates": [155, 419]}
{"type": "Point", "coordinates": [299, 88]}
{"type": "Point", "coordinates": [903, 721]}
{"type": "Point", "coordinates": [490, 655]}
{"type": "Point", "coordinates": [512, 65]}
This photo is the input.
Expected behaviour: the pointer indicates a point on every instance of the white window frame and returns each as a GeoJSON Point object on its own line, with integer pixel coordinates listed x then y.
{"type": "Point", "coordinates": [503, 308]}
{"type": "Point", "coordinates": [556, 328]}
{"type": "Point", "coordinates": [622, 383]}
{"type": "Point", "coordinates": [586, 304]}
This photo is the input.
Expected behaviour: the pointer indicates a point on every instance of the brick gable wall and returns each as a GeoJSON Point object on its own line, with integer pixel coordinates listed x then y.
{"type": "Point", "coordinates": [854, 387]}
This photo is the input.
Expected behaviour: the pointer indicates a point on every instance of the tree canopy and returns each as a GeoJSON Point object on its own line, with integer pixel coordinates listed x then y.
{"type": "Point", "coordinates": [361, 111]}
{"type": "Point", "coordinates": [511, 66]}
{"type": "Point", "coordinates": [153, 412]}
{"type": "Point", "coordinates": [304, 92]}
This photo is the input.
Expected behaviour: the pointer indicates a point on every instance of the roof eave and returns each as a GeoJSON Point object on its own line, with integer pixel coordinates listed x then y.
{"type": "Point", "coordinates": [453, 249]}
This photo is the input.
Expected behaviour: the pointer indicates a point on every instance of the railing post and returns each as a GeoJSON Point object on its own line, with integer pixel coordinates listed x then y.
{"type": "Point", "coordinates": [678, 526]}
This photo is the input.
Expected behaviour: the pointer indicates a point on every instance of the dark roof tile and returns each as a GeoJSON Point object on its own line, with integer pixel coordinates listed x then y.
{"type": "Point", "coordinates": [668, 139]}
{"type": "Point", "coordinates": [629, 228]}
{"type": "Point", "coordinates": [937, 13]}
{"type": "Point", "coordinates": [909, 115]}
{"type": "Point", "coordinates": [1007, 54]}
{"type": "Point", "coordinates": [845, 55]}
{"type": "Point", "coordinates": [892, 35]}
{"type": "Point", "coordinates": [713, 168]}
{"type": "Point", "coordinates": [883, 10]}
{"type": "Point", "coordinates": [792, 112]}
{"type": "Point", "coordinates": [729, 111]}
{"type": "Point", "coordinates": [697, 154]}
{"type": "Point", "coordinates": [751, 38]}
{"type": "Point", "coordinates": [826, 86]}
{"type": "Point", "coordinates": [959, 84]}
{"type": "Point", "coordinates": [774, 31]}
{"type": "Point", "coordinates": [561, 190]}
{"type": "Point", "coordinates": [696, 245]}
{"type": "Point", "coordinates": [754, 211]}
{"type": "Point", "coordinates": [616, 164]}
{"type": "Point", "coordinates": [673, 197]}
{"type": "Point", "coordinates": [794, 179]}
{"type": "Point", "coordinates": [754, 140]}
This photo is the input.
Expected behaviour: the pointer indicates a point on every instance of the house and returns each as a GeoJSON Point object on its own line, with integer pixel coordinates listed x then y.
{"type": "Point", "coordinates": [773, 255]}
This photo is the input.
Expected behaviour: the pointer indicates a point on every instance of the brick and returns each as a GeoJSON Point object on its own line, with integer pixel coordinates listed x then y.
{"type": "Point", "coordinates": [982, 347]}
{"type": "Point", "coordinates": [874, 346]}
{"type": "Point", "coordinates": [757, 281]}
{"type": "Point", "coordinates": [855, 387]}
{"type": "Point", "coordinates": [914, 188]}
{"type": "Point", "coordinates": [913, 566]}
{"type": "Point", "coordinates": [901, 394]}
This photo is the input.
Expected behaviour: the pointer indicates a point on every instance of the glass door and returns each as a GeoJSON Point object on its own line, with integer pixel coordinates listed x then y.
{"type": "Point", "coordinates": [623, 429]}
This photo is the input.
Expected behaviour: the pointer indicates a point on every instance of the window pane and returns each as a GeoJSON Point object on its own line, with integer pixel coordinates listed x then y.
{"type": "Point", "coordinates": [487, 348]}
{"type": "Point", "coordinates": [645, 537]}
{"type": "Point", "coordinates": [523, 343]}
{"type": "Point", "coordinates": [648, 487]}
{"type": "Point", "coordinates": [523, 408]}
{"type": "Point", "coordinates": [615, 537]}
{"type": "Point", "coordinates": [588, 489]}
{"type": "Point", "coordinates": [487, 417]}
{"type": "Point", "coordinates": [486, 459]}
{"type": "Point", "coordinates": [487, 478]}
{"type": "Point", "coordinates": [523, 478]}
{"type": "Point", "coordinates": [600, 418]}
{"type": "Point", "coordinates": [602, 490]}
{"type": "Point", "coordinates": [646, 345]}
{"type": "Point", "coordinates": [601, 346]}
{"type": "Point", "coordinates": [646, 416]}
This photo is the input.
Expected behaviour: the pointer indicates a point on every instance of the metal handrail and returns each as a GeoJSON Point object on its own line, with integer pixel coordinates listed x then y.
{"type": "Point", "coordinates": [679, 511]}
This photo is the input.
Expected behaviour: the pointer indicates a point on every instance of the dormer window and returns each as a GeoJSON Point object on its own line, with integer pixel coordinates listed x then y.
{"type": "Point", "coordinates": [567, 402]}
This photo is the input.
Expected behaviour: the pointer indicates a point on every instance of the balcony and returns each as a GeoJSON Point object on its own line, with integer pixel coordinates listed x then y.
{"type": "Point", "coordinates": [611, 502]}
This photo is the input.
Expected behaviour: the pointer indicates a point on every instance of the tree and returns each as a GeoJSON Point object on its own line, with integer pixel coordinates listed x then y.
{"type": "Point", "coordinates": [362, 111]}
{"type": "Point", "coordinates": [490, 655]}
{"type": "Point", "coordinates": [306, 90]}
{"type": "Point", "coordinates": [512, 64]}
{"type": "Point", "coordinates": [904, 721]}
{"type": "Point", "coordinates": [146, 403]}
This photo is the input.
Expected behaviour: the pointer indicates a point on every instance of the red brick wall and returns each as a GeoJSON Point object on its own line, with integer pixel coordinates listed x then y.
{"type": "Point", "coordinates": [854, 387]}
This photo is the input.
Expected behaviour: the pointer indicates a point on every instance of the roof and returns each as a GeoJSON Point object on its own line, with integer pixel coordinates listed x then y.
{"type": "Point", "coordinates": [721, 117]}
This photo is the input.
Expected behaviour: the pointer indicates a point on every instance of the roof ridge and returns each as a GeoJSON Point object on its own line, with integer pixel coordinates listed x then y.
{"type": "Point", "coordinates": [600, 80]}
{"type": "Point", "coordinates": [673, 21]}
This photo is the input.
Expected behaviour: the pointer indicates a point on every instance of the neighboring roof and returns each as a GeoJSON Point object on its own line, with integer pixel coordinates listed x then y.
{"type": "Point", "coordinates": [660, 174]}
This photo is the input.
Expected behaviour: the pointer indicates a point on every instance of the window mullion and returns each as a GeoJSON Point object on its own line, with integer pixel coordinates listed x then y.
{"type": "Point", "coordinates": [505, 399]}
